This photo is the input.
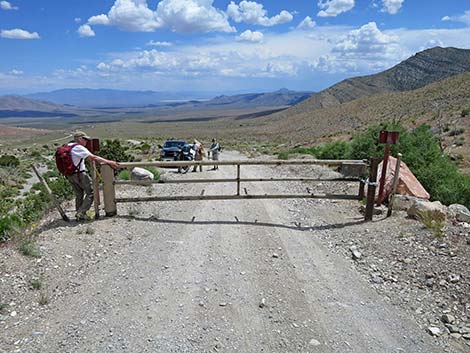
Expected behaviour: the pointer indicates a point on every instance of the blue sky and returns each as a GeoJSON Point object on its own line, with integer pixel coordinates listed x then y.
{"type": "Point", "coordinates": [215, 45]}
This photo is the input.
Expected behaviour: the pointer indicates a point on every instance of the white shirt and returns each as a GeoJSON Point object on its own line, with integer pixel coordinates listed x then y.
{"type": "Point", "coordinates": [78, 153]}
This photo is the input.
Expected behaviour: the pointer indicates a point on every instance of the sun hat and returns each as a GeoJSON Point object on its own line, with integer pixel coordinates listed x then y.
{"type": "Point", "coordinates": [82, 134]}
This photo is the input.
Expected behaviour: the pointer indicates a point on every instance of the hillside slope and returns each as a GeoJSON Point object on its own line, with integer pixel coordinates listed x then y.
{"type": "Point", "coordinates": [418, 71]}
{"type": "Point", "coordinates": [448, 96]}
{"type": "Point", "coordinates": [21, 103]}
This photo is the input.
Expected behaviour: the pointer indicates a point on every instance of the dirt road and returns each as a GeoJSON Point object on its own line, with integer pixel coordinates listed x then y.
{"type": "Point", "coordinates": [222, 276]}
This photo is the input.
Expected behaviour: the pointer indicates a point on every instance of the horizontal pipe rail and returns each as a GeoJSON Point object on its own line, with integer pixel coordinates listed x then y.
{"type": "Point", "coordinates": [237, 197]}
{"type": "Point", "coordinates": [174, 164]}
{"type": "Point", "coordinates": [243, 180]}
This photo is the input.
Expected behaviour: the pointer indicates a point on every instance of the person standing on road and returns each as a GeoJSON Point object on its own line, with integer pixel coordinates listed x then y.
{"type": "Point", "coordinates": [215, 150]}
{"type": "Point", "coordinates": [80, 180]}
{"type": "Point", "coordinates": [198, 147]}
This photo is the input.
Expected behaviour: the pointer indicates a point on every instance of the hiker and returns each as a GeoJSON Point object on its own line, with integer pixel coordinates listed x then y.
{"type": "Point", "coordinates": [215, 150]}
{"type": "Point", "coordinates": [70, 160]}
{"type": "Point", "coordinates": [199, 148]}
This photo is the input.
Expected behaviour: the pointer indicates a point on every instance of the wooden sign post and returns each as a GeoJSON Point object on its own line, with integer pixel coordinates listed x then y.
{"type": "Point", "coordinates": [389, 138]}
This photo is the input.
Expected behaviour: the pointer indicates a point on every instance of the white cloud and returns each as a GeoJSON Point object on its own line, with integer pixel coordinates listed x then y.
{"type": "Point", "coordinates": [85, 31]}
{"type": "Point", "coordinates": [18, 34]}
{"type": "Point", "coordinates": [253, 13]}
{"type": "Point", "coordinates": [465, 18]}
{"type": "Point", "coordinates": [363, 50]}
{"type": "Point", "coordinates": [249, 36]}
{"type": "Point", "coordinates": [98, 20]}
{"type": "Point", "coordinates": [392, 6]}
{"type": "Point", "coordinates": [5, 5]}
{"type": "Point", "coordinates": [159, 44]}
{"type": "Point", "coordinates": [16, 72]}
{"type": "Point", "coordinates": [306, 24]}
{"type": "Point", "coordinates": [365, 40]}
{"type": "Point", "coordinates": [190, 16]}
{"type": "Point", "coordinates": [77, 20]}
{"type": "Point", "coordinates": [332, 8]}
{"type": "Point", "coordinates": [186, 16]}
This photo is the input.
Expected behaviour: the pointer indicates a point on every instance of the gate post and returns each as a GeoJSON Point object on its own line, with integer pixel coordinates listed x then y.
{"type": "Point", "coordinates": [374, 163]}
{"type": "Point", "coordinates": [109, 193]}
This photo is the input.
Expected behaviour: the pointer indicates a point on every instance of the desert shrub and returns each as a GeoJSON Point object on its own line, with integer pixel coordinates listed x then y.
{"type": "Point", "coordinates": [124, 174]}
{"type": "Point", "coordinates": [456, 132]}
{"type": "Point", "coordinates": [115, 151]}
{"type": "Point", "coordinates": [460, 141]}
{"type": "Point", "coordinates": [144, 147]}
{"type": "Point", "coordinates": [29, 248]}
{"type": "Point", "coordinates": [9, 161]}
{"type": "Point", "coordinates": [334, 150]}
{"type": "Point", "coordinates": [435, 222]}
{"type": "Point", "coordinates": [283, 155]}
{"type": "Point", "coordinates": [9, 225]}
{"type": "Point", "coordinates": [32, 207]}
{"type": "Point", "coordinates": [465, 112]}
{"type": "Point", "coordinates": [155, 172]}
{"type": "Point", "coordinates": [35, 154]}
{"type": "Point", "coordinates": [61, 188]}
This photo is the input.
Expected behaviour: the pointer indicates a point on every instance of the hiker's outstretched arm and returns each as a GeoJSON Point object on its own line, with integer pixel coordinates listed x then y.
{"type": "Point", "coordinates": [103, 160]}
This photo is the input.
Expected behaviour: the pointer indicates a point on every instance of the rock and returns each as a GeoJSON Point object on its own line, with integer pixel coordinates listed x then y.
{"type": "Point", "coordinates": [13, 313]}
{"type": "Point", "coordinates": [275, 255]}
{"type": "Point", "coordinates": [459, 212]}
{"type": "Point", "coordinates": [453, 278]}
{"type": "Point", "coordinates": [455, 335]}
{"type": "Point", "coordinates": [314, 342]}
{"type": "Point", "coordinates": [356, 254]}
{"type": "Point", "coordinates": [141, 174]}
{"type": "Point", "coordinates": [429, 282]}
{"type": "Point", "coordinates": [422, 206]}
{"type": "Point", "coordinates": [447, 319]}
{"type": "Point", "coordinates": [453, 328]}
{"type": "Point", "coordinates": [434, 331]}
{"type": "Point", "coordinates": [262, 303]}
{"type": "Point", "coordinates": [404, 202]}
{"type": "Point", "coordinates": [377, 280]}
{"type": "Point", "coordinates": [466, 336]}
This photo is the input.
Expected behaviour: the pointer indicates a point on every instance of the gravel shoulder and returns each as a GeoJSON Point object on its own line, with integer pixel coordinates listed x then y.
{"type": "Point", "coordinates": [222, 276]}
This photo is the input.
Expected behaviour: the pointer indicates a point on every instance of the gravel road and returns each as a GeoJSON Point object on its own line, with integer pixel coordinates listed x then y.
{"type": "Point", "coordinates": [220, 276]}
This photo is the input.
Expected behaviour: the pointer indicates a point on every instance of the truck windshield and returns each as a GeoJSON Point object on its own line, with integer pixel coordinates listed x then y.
{"type": "Point", "coordinates": [173, 144]}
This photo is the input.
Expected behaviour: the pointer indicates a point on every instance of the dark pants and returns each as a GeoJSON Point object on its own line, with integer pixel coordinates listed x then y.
{"type": "Point", "coordinates": [83, 189]}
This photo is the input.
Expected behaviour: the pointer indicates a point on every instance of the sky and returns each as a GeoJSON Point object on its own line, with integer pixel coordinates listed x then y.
{"type": "Point", "coordinates": [216, 45]}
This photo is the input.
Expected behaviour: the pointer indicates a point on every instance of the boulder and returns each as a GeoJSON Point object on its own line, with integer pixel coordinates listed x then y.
{"type": "Point", "coordinates": [404, 202]}
{"type": "Point", "coordinates": [141, 174]}
{"type": "Point", "coordinates": [423, 206]}
{"type": "Point", "coordinates": [459, 212]}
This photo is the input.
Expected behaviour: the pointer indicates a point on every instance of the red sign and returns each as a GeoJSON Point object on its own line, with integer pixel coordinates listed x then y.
{"type": "Point", "coordinates": [93, 145]}
{"type": "Point", "coordinates": [389, 137]}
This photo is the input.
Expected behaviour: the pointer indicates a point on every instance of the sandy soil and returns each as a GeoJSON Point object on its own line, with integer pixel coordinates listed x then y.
{"type": "Point", "coordinates": [222, 276]}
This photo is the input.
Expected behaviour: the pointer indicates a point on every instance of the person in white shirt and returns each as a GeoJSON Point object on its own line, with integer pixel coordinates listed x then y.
{"type": "Point", "coordinates": [215, 150]}
{"type": "Point", "coordinates": [81, 181]}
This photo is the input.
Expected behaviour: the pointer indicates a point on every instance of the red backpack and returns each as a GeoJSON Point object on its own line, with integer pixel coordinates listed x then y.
{"type": "Point", "coordinates": [63, 160]}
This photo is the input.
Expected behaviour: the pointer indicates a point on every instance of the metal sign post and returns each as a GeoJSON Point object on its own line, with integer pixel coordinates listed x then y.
{"type": "Point", "coordinates": [389, 138]}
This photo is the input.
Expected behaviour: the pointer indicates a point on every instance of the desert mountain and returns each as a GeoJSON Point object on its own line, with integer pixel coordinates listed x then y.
{"type": "Point", "coordinates": [417, 71]}
{"type": "Point", "coordinates": [86, 97]}
{"type": "Point", "coordinates": [123, 99]}
{"type": "Point", "coordinates": [282, 97]}
{"type": "Point", "coordinates": [21, 103]}
{"type": "Point", "coordinates": [15, 106]}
